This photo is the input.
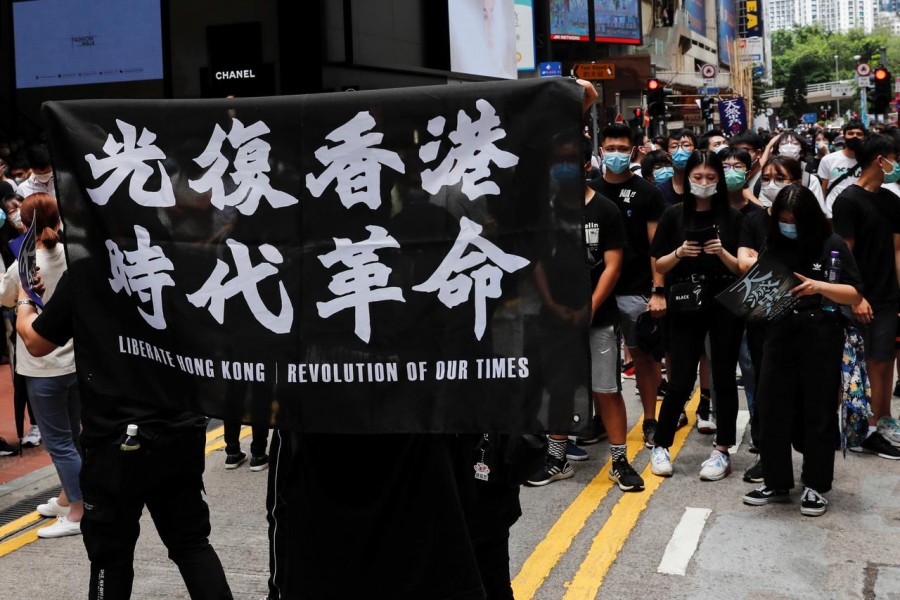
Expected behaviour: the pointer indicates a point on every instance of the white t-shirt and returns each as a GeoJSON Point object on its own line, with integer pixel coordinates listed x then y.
{"type": "Point", "coordinates": [833, 166]}
{"type": "Point", "coordinates": [31, 186]}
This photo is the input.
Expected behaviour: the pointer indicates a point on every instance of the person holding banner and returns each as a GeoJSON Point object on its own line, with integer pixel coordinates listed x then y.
{"type": "Point", "coordinates": [802, 353]}
{"type": "Point", "coordinates": [695, 249]}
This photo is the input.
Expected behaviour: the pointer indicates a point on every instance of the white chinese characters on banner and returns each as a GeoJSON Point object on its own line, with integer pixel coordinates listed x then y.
{"type": "Point", "coordinates": [250, 167]}
{"type": "Point", "coordinates": [354, 163]}
{"type": "Point", "coordinates": [141, 271]}
{"type": "Point", "coordinates": [216, 290]}
{"type": "Point", "coordinates": [454, 285]}
{"type": "Point", "coordinates": [129, 158]}
{"type": "Point", "coordinates": [471, 155]}
{"type": "Point", "coordinates": [363, 282]}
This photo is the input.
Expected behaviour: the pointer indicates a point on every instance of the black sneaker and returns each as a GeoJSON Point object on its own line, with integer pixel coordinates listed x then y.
{"type": "Point", "coordinates": [755, 473]}
{"type": "Point", "coordinates": [7, 449]}
{"type": "Point", "coordinates": [259, 463]}
{"type": "Point", "coordinates": [739, 382]}
{"type": "Point", "coordinates": [649, 427]}
{"type": "Point", "coordinates": [597, 434]}
{"type": "Point", "coordinates": [763, 495]}
{"type": "Point", "coordinates": [625, 475]}
{"type": "Point", "coordinates": [897, 390]}
{"type": "Point", "coordinates": [662, 389]}
{"type": "Point", "coordinates": [812, 503]}
{"type": "Point", "coordinates": [682, 420]}
{"type": "Point", "coordinates": [554, 470]}
{"type": "Point", "coordinates": [233, 461]}
{"type": "Point", "coordinates": [877, 445]}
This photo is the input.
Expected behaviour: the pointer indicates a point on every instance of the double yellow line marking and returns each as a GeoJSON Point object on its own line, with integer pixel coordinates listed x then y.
{"type": "Point", "coordinates": [608, 542]}
{"type": "Point", "coordinates": [20, 532]}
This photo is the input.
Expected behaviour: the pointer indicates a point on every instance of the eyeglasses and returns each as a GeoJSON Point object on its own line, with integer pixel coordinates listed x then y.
{"type": "Point", "coordinates": [685, 145]}
{"type": "Point", "coordinates": [778, 179]}
{"type": "Point", "coordinates": [735, 166]}
{"type": "Point", "coordinates": [659, 166]}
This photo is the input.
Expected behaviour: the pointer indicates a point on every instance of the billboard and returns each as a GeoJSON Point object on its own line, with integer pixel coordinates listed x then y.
{"type": "Point", "coordinates": [696, 16]}
{"type": "Point", "coordinates": [751, 25]}
{"type": "Point", "coordinates": [617, 21]}
{"type": "Point", "coordinates": [525, 35]}
{"type": "Point", "coordinates": [569, 21]}
{"type": "Point", "coordinates": [483, 37]}
{"type": "Point", "coordinates": [61, 43]}
{"type": "Point", "coordinates": [726, 31]}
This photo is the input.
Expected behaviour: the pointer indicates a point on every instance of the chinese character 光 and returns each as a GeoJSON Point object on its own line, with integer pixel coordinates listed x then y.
{"type": "Point", "coordinates": [250, 167]}
{"type": "Point", "coordinates": [453, 285]}
{"type": "Point", "coordinates": [471, 155]}
{"type": "Point", "coordinates": [363, 282]}
{"type": "Point", "coordinates": [355, 163]}
{"type": "Point", "coordinates": [216, 290]}
{"type": "Point", "coordinates": [130, 157]}
{"type": "Point", "coordinates": [141, 271]}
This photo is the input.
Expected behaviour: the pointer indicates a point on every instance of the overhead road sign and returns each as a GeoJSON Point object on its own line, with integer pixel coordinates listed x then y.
{"type": "Point", "coordinates": [595, 71]}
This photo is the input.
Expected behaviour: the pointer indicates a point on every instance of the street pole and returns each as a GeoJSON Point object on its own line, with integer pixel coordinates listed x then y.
{"type": "Point", "coordinates": [837, 101]}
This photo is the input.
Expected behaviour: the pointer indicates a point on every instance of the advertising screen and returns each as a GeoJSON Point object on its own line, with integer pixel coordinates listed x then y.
{"type": "Point", "coordinates": [525, 35]}
{"type": "Point", "coordinates": [569, 20]}
{"type": "Point", "coordinates": [696, 16]}
{"type": "Point", "coordinates": [617, 21]}
{"type": "Point", "coordinates": [59, 42]}
{"type": "Point", "coordinates": [483, 37]}
{"type": "Point", "coordinates": [726, 31]}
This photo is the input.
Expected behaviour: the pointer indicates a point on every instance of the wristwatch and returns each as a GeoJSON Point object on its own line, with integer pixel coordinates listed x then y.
{"type": "Point", "coordinates": [657, 289]}
{"type": "Point", "coordinates": [25, 301]}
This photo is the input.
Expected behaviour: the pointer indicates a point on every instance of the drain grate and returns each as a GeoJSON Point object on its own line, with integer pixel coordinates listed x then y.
{"type": "Point", "coordinates": [26, 506]}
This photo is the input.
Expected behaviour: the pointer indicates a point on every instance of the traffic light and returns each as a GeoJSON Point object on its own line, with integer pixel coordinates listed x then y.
{"type": "Point", "coordinates": [638, 120]}
{"type": "Point", "coordinates": [882, 95]}
{"type": "Point", "coordinates": [656, 99]}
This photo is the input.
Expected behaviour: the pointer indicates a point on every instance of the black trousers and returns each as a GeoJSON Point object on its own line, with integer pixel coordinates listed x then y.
{"type": "Point", "coordinates": [232, 435]}
{"type": "Point", "coordinates": [756, 337]}
{"type": "Point", "coordinates": [166, 476]}
{"type": "Point", "coordinates": [799, 387]}
{"type": "Point", "coordinates": [687, 335]}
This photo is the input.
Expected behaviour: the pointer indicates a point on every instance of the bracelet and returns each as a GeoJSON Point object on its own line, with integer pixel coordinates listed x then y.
{"type": "Point", "coordinates": [25, 301]}
{"type": "Point", "coordinates": [676, 253]}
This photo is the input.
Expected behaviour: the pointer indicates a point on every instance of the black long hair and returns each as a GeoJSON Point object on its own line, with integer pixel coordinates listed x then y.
{"type": "Point", "coordinates": [699, 158]}
{"type": "Point", "coordinates": [813, 227]}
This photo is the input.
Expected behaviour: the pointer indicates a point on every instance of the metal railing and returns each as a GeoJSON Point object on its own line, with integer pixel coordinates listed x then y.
{"type": "Point", "coordinates": [813, 88]}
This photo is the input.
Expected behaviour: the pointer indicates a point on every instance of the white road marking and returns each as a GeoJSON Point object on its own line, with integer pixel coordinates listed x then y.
{"type": "Point", "coordinates": [743, 419]}
{"type": "Point", "coordinates": [684, 542]}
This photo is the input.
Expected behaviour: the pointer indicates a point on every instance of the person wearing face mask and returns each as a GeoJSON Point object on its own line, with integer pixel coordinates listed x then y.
{"type": "Point", "coordinates": [838, 170]}
{"type": "Point", "coordinates": [754, 144]}
{"type": "Point", "coordinates": [751, 241]}
{"type": "Point", "coordinates": [802, 354]}
{"type": "Point", "coordinates": [639, 288]}
{"type": "Point", "coordinates": [868, 218]}
{"type": "Point", "coordinates": [713, 140]}
{"type": "Point", "coordinates": [657, 167]}
{"type": "Point", "coordinates": [790, 145]}
{"type": "Point", "coordinates": [736, 162]}
{"type": "Point", "coordinates": [6, 176]}
{"type": "Point", "coordinates": [41, 178]}
{"type": "Point", "coordinates": [680, 144]}
{"type": "Point", "coordinates": [695, 249]}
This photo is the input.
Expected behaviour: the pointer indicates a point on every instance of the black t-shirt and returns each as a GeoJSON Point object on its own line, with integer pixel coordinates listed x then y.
{"type": "Point", "coordinates": [604, 229]}
{"type": "Point", "coordinates": [640, 203]}
{"type": "Point", "coordinates": [104, 418]}
{"type": "Point", "coordinates": [669, 195]}
{"type": "Point", "coordinates": [750, 208]}
{"type": "Point", "coordinates": [670, 235]}
{"type": "Point", "coordinates": [786, 252]}
{"type": "Point", "coordinates": [754, 230]}
{"type": "Point", "coordinates": [871, 220]}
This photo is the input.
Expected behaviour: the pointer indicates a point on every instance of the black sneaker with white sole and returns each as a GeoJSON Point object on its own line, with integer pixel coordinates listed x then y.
{"type": "Point", "coordinates": [554, 469]}
{"type": "Point", "coordinates": [877, 445]}
{"type": "Point", "coordinates": [233, 461]}
{"type": "Point", "coordinates": [812, 504]}
{"type": "Point", "coordinates": [763, 495]}
{"type": "Point", "coordinates": [625, 475]}
{"type": "Point", "coordinates": [259, 462]}
{"type": "Point", "coordinates": [649, 428]}
{"type": "Point", "coordinates": [755, 473]}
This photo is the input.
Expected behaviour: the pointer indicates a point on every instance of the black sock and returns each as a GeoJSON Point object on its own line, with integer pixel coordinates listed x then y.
{"type": "Point", "coordinates": [618, 451]}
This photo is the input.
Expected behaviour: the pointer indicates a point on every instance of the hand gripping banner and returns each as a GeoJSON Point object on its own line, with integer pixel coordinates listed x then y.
{"type": "Point", "coordinates": [362, 262]}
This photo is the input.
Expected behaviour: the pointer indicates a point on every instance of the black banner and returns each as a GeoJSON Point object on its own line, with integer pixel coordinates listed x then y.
{"type": "Point", "coordinates": [352, 262]}
{"type": "Point", "coordinates": [763, 294]}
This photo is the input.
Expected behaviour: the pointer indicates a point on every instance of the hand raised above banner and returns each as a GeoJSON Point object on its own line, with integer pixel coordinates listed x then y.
{"type": "Point", "coordinates": [590, 94]}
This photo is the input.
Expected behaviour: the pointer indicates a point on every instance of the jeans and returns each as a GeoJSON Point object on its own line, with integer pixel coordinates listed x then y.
{"type": "Point", "coordinates": [57, 407]}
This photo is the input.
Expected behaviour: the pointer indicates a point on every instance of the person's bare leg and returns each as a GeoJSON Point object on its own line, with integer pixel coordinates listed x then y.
{"type": "Point", "coordinates": [647, 376]}
{"type": "Point", "coordinates": [881, 376]}
{"type": "Point", "coordinates": [611, 408]}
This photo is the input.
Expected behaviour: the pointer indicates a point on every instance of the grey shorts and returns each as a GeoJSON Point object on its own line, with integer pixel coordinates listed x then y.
{"type": "Point", "coordinates": [630, 308]}
{"type": "Point", "coordinates": [605, 363]}
{"type": "Point", "coordinates": [879, 335]}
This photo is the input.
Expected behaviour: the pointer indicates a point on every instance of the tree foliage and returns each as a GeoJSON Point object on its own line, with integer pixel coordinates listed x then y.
{"type": "Point", "coordinates": [815, 49]}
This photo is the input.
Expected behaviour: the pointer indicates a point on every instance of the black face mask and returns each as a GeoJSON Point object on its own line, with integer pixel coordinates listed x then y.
{"type": "Point", "coordinates": [853, 144]}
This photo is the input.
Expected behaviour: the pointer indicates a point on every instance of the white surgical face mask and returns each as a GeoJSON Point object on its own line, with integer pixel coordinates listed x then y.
{"type": "Point", "coordinates": [769, 191]}
{"type": "Point", "coordinates": [789, 150]}
{"type": "Point", "coordinates": [43, 178]}
{"type": "Point", "coordinates": [703, 191]}
{"type": "Point", "coordinates": [16, 219]}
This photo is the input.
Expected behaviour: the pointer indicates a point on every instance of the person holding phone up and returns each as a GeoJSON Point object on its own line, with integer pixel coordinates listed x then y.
{"type": "Point", "coordinates": [695, 248]}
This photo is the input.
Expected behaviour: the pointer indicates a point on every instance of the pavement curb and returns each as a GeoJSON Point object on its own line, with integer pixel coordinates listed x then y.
{"type": "Point", "coordinates": [28, 485]}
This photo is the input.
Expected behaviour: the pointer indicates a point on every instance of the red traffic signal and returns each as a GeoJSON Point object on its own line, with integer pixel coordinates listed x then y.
{"type": "Point", "coordinates": [638, 113]}
{"type": "Point", "coordinates": [880, 74]}
{"type": "Point", "coordinates": [653, 85]}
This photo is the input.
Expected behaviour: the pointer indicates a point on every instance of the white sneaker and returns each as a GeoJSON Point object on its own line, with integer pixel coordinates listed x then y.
{"type": "Point", "coordinates": [32, 438]}
{"type": "Point", "coordinates": [890, 430]}
{"type": "Point", "coordinates": [716, 467]}
{"type": "Point", "coordinates": [660, 462]}
{"type": "Point", "coordinates": [51, 508]}
{"type": "Point", "coordinates": [706, 423]}
{"type": "Point", "coordinates": [61, 528]}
